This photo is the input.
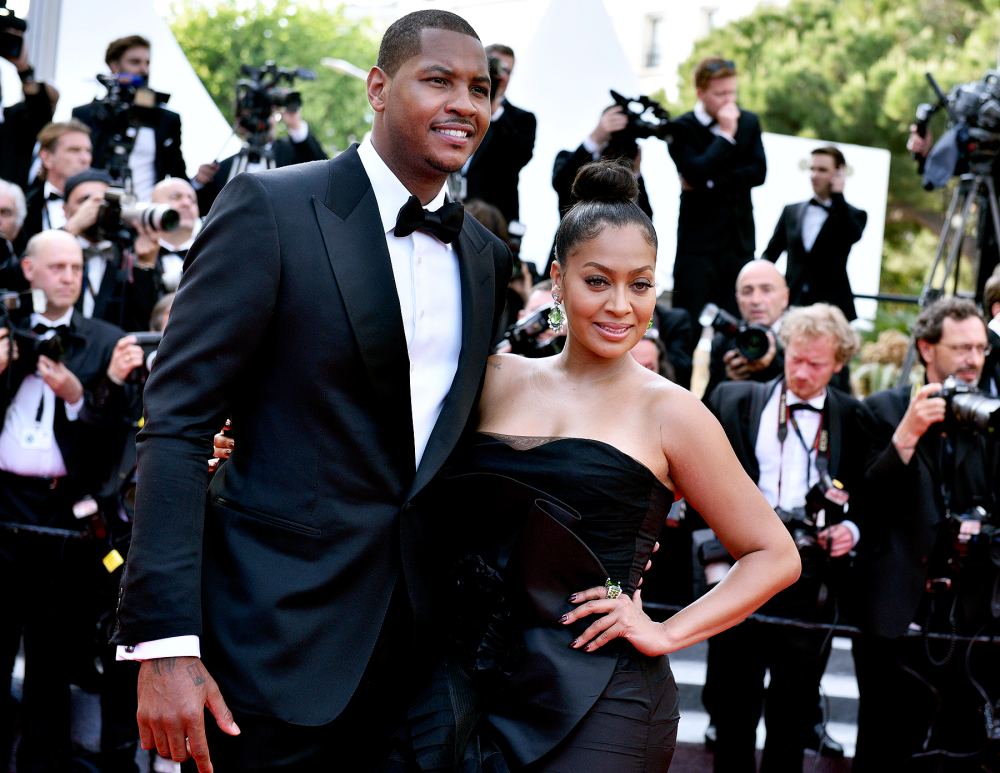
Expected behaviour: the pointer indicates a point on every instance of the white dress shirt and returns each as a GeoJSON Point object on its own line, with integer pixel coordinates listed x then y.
{"type": "Point", "coordinates": [425, 271]}
{"type": "Point", "coordinates": [53, 215]}
{"type": "Point", "coordinates": [27, 442]}
{"type": "Point", "coordinates": [812, 222]}
{"type": "Point", "coordinates": [142, 163]}
{"type": "Point", "coordinates": [788, 470]}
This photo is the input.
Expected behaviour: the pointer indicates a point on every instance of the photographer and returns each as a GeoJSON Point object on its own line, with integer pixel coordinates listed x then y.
{"type": "Point", "coordinates": [155, 150]}
{"type": "Point", "coordinates": [12, 212]}
{"type": "Point", "coordinates": [21, 122]}
{"type": "Point", "coordinates": [52, 461]}
{"type": "Point", "coordinates": [719, 156]}
{"type": "Point", "coordinates": [120, 282]}
{"type": "Point", "coordinates": [929, 472]}
{"type": "Point", "coordinates": [762, 298]}
{"type": "Point", "coordinates": [600, 143]}
{"type": "Point", "coordinates": [795, 436]}
{"type": "Point", "coordinates": [178, 194]}
{"type": "Point", "coordinates": [298, 147]}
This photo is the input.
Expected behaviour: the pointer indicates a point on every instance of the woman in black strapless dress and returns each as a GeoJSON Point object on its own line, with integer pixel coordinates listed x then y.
{"type": "Point", "coordinates": [577, 460]}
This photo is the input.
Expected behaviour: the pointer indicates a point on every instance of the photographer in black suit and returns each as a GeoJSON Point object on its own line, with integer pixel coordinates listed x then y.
{"type": "Point", "coordinates": [922, 701]}
{"type": "Point", "coordinates": [493, 172]}
{"type": "Point", "coordinates": [353, 312]}
{"type": "Point", "coordinates": [55, 451]}
{"type": "Point", "coordinates": [793, 435]}
{"type": "Point", "coordinates": [156, 151]}
{"type": "Point", "coordinates": [817, 235]}
{"type": "Point", "coordinates": [719, 156]}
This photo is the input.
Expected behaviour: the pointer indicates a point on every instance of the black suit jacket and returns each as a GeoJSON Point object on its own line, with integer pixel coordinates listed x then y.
{"type": "Point", "coordinates": [907, 511]}
{"type": "Point", "coordinates": [127, 294]}
{"type": "Point", "coordinates": [564, 170]}
{"type": "Point", "coordinates": [169, 161]}
{"type": "Point", "coordinates": [89, 444]}
{"type": "Point", "coordinates": [496, 166]}
{"type": "Point", "coordinates": [20, 127]}
{"type": "Point", "coordinates": [286, 153]}
{"type": "Point", "coordinates": [287, 573]}
{"type": "Point", "coordinates": [819, 274]}
{"type": "Point", "coordinates": [716, 214]}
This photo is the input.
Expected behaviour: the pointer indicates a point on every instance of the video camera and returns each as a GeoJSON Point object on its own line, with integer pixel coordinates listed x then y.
{"type": "Point", "coordinates": [968, 408]}
{"type": "Point", "coordinates": [527, 336]}
{"type": "Point", "coordinates": [11, 43]}
{"type": "Point", "coordinates": [646, 118]}
{"type": "Point", "coordinates": [121, 214]}
{"type": "Point", "coordinates": [128, 105]}
{"type": "Point", "coordinates": [260, 93]}
{"type": "Point", "coordinates": [974, 127]}
{"type": "Point", "coordinates": [752, 340]}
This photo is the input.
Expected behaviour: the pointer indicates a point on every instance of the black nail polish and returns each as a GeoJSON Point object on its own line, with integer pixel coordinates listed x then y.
{"type": "Point", "coordinates": [564, 618]}
{"type": "Point", "coordinates": [572, 598]}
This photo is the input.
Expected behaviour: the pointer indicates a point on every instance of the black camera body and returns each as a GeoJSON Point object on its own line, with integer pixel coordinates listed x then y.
{"type": "Point", "coordinates": [646, 118]}
{"type": "Point", "coordinates": [969, 408]}
{"type": "Point", "coordinates": [260, 93]}
{"type": "Point", "coordinates": [526, 335]}
{"type": "Point", "coordinates": [121, 214]}
{"type": "Point", "coordinates": [30, 345]}
{"type": "Point", "coordinates": [12, 32]}
{"type": "Point", "coordinates": [148, 341]}
{"type": "Point", "coordinates": [752, 340]}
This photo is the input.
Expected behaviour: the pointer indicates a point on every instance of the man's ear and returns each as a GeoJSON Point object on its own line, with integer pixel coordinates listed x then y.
{"type": "Point", "coordinates": [28, 268]}
{"type": "Point", "coordinates": [378, 82]}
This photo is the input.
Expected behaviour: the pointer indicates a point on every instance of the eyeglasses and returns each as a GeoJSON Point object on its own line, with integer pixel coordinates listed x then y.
{"type": "Point", "coordinates": [982, 350]}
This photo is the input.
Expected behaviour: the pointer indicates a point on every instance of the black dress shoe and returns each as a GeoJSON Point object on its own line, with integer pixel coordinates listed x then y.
{"type": "Point", "coordinates": [818, 739]}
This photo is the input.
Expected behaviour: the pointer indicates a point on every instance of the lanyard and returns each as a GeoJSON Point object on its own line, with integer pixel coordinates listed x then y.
{"type": "Point", "coordinates": [820, 445]}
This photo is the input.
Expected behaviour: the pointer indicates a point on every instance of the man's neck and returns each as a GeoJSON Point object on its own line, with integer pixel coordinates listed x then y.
{"type": "Point", "coordinates": [57, 182]}
{"type": "Point", "coordinates": [177, 237]}
{"type": "Point", "coordinates": [425, 190]}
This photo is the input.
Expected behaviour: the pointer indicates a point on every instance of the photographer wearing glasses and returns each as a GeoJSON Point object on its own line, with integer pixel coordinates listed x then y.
{"type": "Point", "coordinates": [925, 566]}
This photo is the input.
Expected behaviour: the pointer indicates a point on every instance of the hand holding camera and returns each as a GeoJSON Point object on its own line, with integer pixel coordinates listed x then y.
{"type": "Point", "coordinates": [126, 357]}
{"type": "Point", "coordinates": [612, 120]}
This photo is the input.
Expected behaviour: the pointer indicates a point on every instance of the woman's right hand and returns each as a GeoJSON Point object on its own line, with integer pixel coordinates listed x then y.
{"type": "Point", "coordinates": [222, 447]}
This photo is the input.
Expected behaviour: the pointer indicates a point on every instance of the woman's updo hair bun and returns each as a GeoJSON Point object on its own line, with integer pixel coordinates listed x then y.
{"type": "Point", "coordinates": [605, 192]}
{"type": "Point", "coordinates": [608, 181]}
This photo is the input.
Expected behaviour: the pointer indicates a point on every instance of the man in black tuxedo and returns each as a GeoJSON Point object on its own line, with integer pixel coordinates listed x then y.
{"type": "Point", "coordinates": [494, 170]}
{"type": "Point", "coordinates": [156, 151]}
{"type": "Point", "coordinates": [817, 235]}
{"type": "Point", "coordinates": [53, 454]}
{"type": "Point", "coordinates": [12, 213]}
{"type": "Point", "coordinates": [298, 147]}
{"type": "Point", "coordinates": [720, 158]}
{"type": "Point", "coordinates": [791, 434]}
{"type": "Point", "coordinates": [305, 579]}
{"type": "Point", "coordinates": [925, 471]}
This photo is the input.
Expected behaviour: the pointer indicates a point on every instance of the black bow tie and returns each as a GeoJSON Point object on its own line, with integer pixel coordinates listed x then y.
{"type": "Point", "coordinates": [41, 329]}
{"type": "Point", "coordinates": [820, 204]}
{"type": "Point", "coordinates": [107, 253]}
{"type": "Point", "coordinates": [444, 223]}
{"type": "Point", "coordinates": [804, 407]}
{"type": "Point", "coordinates": [54, 196]}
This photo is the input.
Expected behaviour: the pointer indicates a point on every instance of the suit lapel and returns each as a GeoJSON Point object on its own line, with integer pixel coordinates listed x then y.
{"type": "Point", "coordinates": [352, 232]}
{"type": "Point", "coordinates": [800, 215]}
{"type": "Point", "coordinates": [477, 275]}
{"type": "Point", "coordinates": [835, 414]}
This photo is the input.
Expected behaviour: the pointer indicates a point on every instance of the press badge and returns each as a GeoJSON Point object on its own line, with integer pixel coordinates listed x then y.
{"type": "Point", "coordinates": [36, 438]}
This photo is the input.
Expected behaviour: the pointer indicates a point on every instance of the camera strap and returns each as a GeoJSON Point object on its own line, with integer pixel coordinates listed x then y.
{"type": "Point", "coordinates": [820, 445]}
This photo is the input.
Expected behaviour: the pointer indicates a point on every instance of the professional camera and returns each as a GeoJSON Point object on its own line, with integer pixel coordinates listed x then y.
{"type": "Point", "coordinates": [646, 118]}
{"type": "Point", "coordinates": [29, 344]}
{"type": "Point", "coordinates": [122, 214]}
{"type": "Point", "coordinates": [827, 496]}
{"type": "Point", "coordinates": [974, 114]}
{"type": "Point", "coordinates": [527, 336]}
{"type": "Point", "coordinates": [129, 104]}
{"type": "Point", "coordinates": [969, 408]}
{"type": "Point", "coordinates": [751, 339]}
{"type": "Point", "coordinates": [149, 343]}
{"type": "Point", "coordinates": [260, 93]}
{"type": "Point", "coordinates": [11, 42]}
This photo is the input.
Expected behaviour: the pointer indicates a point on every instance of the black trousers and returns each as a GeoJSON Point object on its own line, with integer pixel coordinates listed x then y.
{"type": "Point", "coordinates": [737, 661]}
{"type": "Point", "coordinates": [701, 279]}
{"type": "Point", "coordinates": [357, 740]}
{"type": "Point", "coordinates": [920, 705]}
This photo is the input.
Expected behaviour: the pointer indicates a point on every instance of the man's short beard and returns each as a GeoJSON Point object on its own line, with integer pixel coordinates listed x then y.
{"type": "Point", "coordinates": [443, 168]}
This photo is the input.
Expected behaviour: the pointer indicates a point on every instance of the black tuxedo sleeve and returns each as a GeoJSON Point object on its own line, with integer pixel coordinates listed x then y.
{"type": "Point", "coordinates": [851, 221]}
{"type": "Point", "coordinates": [170, 161]}
{"type": "Point", "coordinates": [750, 167]}
{"type": "Point", "coordinates": [307, 150]}
{"type": "Point", "coordinates": [779, 239]}
{"type": "Point", "coordinates": [564, 170]}
{"type": "Point", "coordinates": [698, 167]}
{"type": "Point", "coordinates": [199, 365]}
{"type": "Point", "coordinates": [516, 136]}
{"type": "Point", "coordinates": [884, 469]}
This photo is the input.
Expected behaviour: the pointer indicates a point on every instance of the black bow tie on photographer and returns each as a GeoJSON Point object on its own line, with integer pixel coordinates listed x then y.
{"type": "Point", "coordinates": [105, 252]}
{"type": "Point", "coordinates": [53, 196]}
{"type": "Point", "coordinates": [804, 407]}
{"type": "Point", "coordinates": [444, 223]}
{"type": "Point", "coordinates": [820, 204]}
{"type": "Point", "coordinates": [41, 329]}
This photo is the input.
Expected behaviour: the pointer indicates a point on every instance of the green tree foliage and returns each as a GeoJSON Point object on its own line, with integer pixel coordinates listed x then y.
{"type": "Point", "coordinates": [219, 37]}
{"type": "Point", "coordinates": [853, 71]}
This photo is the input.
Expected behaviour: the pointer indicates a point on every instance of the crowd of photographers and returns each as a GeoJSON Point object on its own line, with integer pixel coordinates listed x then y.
{"type": "Point", "coordinates": [892, 500]}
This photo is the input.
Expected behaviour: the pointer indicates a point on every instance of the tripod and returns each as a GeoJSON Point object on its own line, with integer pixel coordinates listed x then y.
{"type": "Point", "coordinates": [256, 148]}
{"type": "Point", "coordinates": [972, 185]}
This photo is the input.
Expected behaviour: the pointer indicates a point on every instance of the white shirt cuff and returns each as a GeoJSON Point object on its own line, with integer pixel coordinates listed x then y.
{"type": "Point", "coordinates": [592, 147]}
{"type": "Point", "coordinates": [73, 411]}
{"type": "Point", "coordinates": [852, 527]}
{"type": "Point", "coordinates": [300, 134]}
{"type": "Point", "coordinates": [173, 647]}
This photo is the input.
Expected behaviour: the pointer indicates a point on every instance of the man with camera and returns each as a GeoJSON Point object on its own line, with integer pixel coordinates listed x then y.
{"type": "Point", "coordinates": [762, 298]}
{"type": "Point", "coordinates": [924, 567]}
{"type": "Point", "coordinates": [298, 147]}
{"type": "Point", "coordinates": [55, 451]}
{"type": "Point", "coordinates": [801, 441]}
{"type": "Point", "coordinates": [179, 195]}
{"type": "Point", "coordinates": [719, 156]}
{"type": "Point", "coordinates": [817, 235]}
{"type": "Point", "coordinates": [12, 212]}
{"type": "Point", "coordinates": [120, 283]}
{"type": "Point", "coordinates": [493, 172]}
{"type": "Point", "coordinates": [150, 133]}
